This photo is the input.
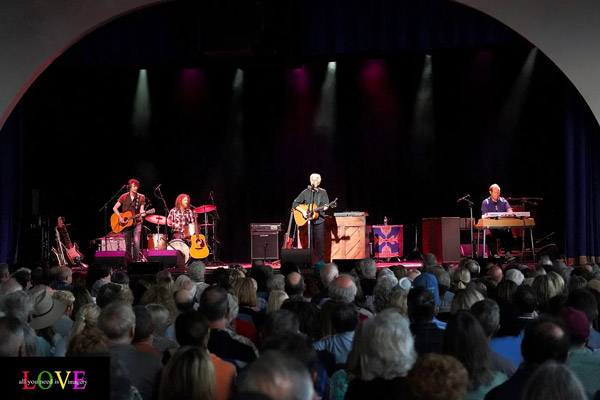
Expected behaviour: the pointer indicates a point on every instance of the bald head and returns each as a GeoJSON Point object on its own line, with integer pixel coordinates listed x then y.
{"type": "Point", "coordinates": [495, 272]}
{"type": "Point", "coordinates": [294, 284]}
{"type": "Point", "coordinates": [328, 273]}
{"type": "Point", "coordinates": [343, 289]}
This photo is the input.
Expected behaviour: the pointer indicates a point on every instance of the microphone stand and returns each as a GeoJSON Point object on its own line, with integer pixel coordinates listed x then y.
{"type": "Point", "coordinates": [161, 197]}
{"type": "Point", "coordinates": [470, 204]}
{"type": "Point", "coordinates": [105, 207]}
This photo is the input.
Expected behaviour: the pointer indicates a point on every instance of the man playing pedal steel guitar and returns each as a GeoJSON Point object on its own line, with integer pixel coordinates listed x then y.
{"type": "Point", "coordinates": [134, 202]}
{"type": "Point", "coordinates": [495, 203]}
{"type": "Point", "coordinates": [181, 216]}
{"type": "Point", "coordinates": [313, 194]}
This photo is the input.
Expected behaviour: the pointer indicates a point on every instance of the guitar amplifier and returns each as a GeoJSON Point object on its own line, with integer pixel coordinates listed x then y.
{"type": "Point", "coordinates": [115, 243]}
{"type": "Point", "coordinates": [264, 240]}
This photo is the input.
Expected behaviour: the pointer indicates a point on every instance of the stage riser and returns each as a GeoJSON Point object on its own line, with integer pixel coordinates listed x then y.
{"type": "Point", "coordinates": [164, 258]}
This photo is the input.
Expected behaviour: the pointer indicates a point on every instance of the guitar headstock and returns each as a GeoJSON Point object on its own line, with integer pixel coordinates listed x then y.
{"type": "Point", "coordinates": [150, 211]}
{"type": "Point", "coordinates": [61, 223]}
{"type": "Point", "coordinates": [333, 204]}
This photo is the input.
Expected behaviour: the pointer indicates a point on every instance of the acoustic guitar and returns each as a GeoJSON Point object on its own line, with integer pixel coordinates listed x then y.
{"type": "Point", "coordinates": [198, 248]}
{"type": "Point", "coordinates": [128, 217]}
{"type": "Point", "coordinates": [314, 212]}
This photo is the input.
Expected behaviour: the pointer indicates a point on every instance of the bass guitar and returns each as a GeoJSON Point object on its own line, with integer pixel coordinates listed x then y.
{"type": "Point", "coordinates": [128, 219]}
{"type": "Point", "coordinates": [301, 220]}
{"type": "Point", "coordinates": [198, 248]}
{"type": "Point", "coordinates": [71, 250]}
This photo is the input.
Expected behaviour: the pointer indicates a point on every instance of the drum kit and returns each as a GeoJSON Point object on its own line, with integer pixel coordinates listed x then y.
{"type": "Point", "coordinates": [158, 241]}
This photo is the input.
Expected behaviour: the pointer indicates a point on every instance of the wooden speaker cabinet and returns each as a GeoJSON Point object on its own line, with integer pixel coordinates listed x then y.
{"type": "Point", "coordinates": [441, 236]}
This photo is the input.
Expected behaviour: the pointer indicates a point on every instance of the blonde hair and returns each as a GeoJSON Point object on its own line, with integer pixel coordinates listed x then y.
{"type": "Point", "coordinates": [65, 296]}
{"type": "Point", "coordinates": [494, 186]}
{"type": "Point", "coordinates": [399, 301]}
{"type": "Point", "coordinates": [276, 299]}
{"type": "Point", "coordinates": [461, 278]}
{"type": "Point", "coordinates": [189, 374]}
{"type": "Point", "coordinates": [245, 291]}
{"type": "Point", "coordinates": [87, 317]}
{"type": "Point", "coordinates": [464, 299]}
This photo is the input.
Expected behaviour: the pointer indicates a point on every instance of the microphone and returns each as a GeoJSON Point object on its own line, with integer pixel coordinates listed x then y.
{"type": "Point", "coordinates": [211, 193]}
{"type": "Point", "coordinates": [158, 187]}
{"type": "Point", "coordinates": [463, 198]}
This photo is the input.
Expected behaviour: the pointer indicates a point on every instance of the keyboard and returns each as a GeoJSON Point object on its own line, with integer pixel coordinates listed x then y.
{"type": "Point", "coordinates": [518, 214]}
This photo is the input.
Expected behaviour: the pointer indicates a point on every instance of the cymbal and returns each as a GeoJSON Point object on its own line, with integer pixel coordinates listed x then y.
{"type": "Point", "coordinates": [158, 219]}
{"type": "Point", "coordinates": [204, 209]}
{"type": "Point", "coordinates": [206, 224]}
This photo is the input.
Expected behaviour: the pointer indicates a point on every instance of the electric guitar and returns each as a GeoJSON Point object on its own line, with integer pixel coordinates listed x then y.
{"type": "Point", "coordinates": [198, 248]}
{"type": "Point", "coordinates": [72, 250]}
{"type": "Point", "coordinates": [128, 217]}
{"type": "Point", "coordinates": [314, 212]}
{"type": "Point", "coordinates": [287, 240]}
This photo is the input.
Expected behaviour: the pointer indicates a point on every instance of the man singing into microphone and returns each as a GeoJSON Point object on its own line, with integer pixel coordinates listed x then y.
{"type": "Point", "coordinates": [181, 216]}
{"type": "Point", "coordinates": [313, 194]}
{"type": "Point", "coordinates": [495, 203]}
{"type": "Point", "coordinates": [134, 202]}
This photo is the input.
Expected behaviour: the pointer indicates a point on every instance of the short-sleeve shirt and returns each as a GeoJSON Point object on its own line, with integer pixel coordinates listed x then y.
{"type": "Point", "coordinates": [135, 205]}
{"type": "Point", "coordinates": [181, 218]}
{"type": "Point", "coordinates": [488, 205]}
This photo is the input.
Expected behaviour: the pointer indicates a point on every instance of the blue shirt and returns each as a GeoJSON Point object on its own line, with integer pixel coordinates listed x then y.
{"type": "Point", "coordinates": [489, 206]}
{"type": "Point", "coordinates": [339, 345]}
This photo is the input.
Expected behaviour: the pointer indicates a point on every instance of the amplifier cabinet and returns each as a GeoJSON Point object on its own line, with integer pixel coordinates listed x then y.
{"type": "Point", "coordinates": [264, 245]}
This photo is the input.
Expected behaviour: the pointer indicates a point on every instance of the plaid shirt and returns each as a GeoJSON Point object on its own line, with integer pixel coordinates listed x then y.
{"type": "Point", "coordinates": [181, 218]}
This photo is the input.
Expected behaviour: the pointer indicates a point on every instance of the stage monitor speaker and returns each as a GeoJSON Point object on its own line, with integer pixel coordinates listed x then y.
{"type": "Point", "coordinates": [166, 258]}
{"type": "Point", "coordinates": [143, 268]}
{"type": "Point", "coordinates": [299, 257]}
{"type": "Point", "coordinates": [265, 245]}
{"type": "Point", "coordinates": [115, 259]}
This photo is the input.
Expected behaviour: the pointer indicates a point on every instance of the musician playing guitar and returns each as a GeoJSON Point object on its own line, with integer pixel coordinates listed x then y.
{"type": "Point", "coordinates": [133, 202]}
{"type": "Point", "coordinates": [314, 195]}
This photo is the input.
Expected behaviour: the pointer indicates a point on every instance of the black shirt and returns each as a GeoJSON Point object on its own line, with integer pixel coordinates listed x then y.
{"type": "Point", "coordinates": [320, 198]}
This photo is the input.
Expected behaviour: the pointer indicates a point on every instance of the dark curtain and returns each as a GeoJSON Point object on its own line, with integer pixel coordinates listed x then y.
{"type": "Point", "coordinates": [11, 149]}
{"type": "Point", "coordinates": [582, 170]}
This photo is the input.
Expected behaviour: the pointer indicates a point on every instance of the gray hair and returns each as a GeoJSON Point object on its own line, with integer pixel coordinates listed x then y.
{"type": "Point", "coordinates": [345, 294]}
{"type": "Point", "coordinates": [196, 271]}
{"type": "Point", "coordinates": [328, 273]}
{"type": "Point", "coordinates": [13, 336]}
{"type": "Point", "coordinates": [368, 267]}
{"type": "Point", "coordinates": [276, 282]}
{"type": "Point", "coordinates": [18, 304]}
{"type": "Point", "coordinates": [487, 313]}
{"type": "Point", "coordinates": [233, 307]}
{"type": "Point", "coordinates": [116, 320]}
{"type": "Point", "coordinates": [387, 346]}
{"type": "Point", "coordinates": [278, 376]}
{"type": "Point", "coordinates": [383, 290]}
{"type": "Point", "coordinates": [160, 317]}
{"type": "Point", "coordinates": [553, 381]}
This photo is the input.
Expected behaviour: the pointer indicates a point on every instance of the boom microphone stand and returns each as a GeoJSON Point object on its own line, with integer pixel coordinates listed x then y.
{"type": "Point", "coordinates": [105, 207]}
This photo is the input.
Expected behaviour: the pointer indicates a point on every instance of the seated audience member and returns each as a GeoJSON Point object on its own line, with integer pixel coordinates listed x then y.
{"type": "Point", "coordinates": [344, 319]}
{"type": "Point", "coordinates": [460, 279]}
{"type": "Point", "coordinates": [277, 376]}
{"type": "Point", "coordinates": [214, 307]}
{"type": "Point", "coordinates": [189, 374]}
{"type": "Point", "coordinates": [437, 377]}
{"type": "Point", "coordinates": [399, 301]}
{"type": "Point", "coordinates": [117, 321]}
{"type": "Point", "coordinates": [82, 296]}
{"type": "Point", "coordinates": [487, 313]}
{"type": "Point", "coordinates": [464, 299]}
{"type": "Point", "coordinates": [64, 324]}
{"type": "Point", "coordinates": [495, 272]}
{"type": "Point", "coordinates": [343, 288]}
{"type": "Point", "coordinates": [299, 346]}
{"type": "Point", "coordinates": [446, 296]}
{"type": "Point", "coordinates": [388, 354]}
{"type": "Point", "coordinates": [109, 293]}
{"type": "Point", "coordinates": [4, 272]}
{"type": "Point", "coordinates": [276, 282]}
{"type": "Point", "coordinates": [245, 290]}
{"type": "Point", "coordinates": [276, 299]}
{"type": "Point", "coordinates": [308, 315]}
{"type": "Point", "coordinates": [17, 304]}
{"type": "Point", "coordinates": [63, 279]}
{"type": "Point", "coordinates": [421, 311]}
{"type": "Point", "coordinates": [466, 340]}
{"type": "Point", "coordinates": [261, 274]}
{"type": "Point", "coordinates": [545, 339]}
{"type": "Point", "coordinates": [91, 341]}
{"type": "Point", "coordinates": [98, 276]}
{"type": "Point", "coordinates": [429, 261]}
{"type": "Point", "coordinates": [382, 293]}
{"type": "Point", "coordinates": [367, 271]}
{"type": "Point", "coordinates": [13, 337]}
{"type": "Point", "coordinates": [429, 282]}
{"type": "Point", "coordinates": [327, 274]}
{"type": "Point", "coordinates": [545, 290]}
{"type": "Point", "coordinates": [46, 311]}
{"type": "Point", "coordinates": [86, 317]}
{"type": "Point", "coordinates": [192, 329]}
{"type": "Point", "coordinates": [196, 271]}
{"type": "Point", "coordinates": [582, 361]}
{"type": "Point", "coordinates": [338, 384]}
{"type": "Point", "coordinates": [584, 300]}
{"type": "Point", "coordinates": [554, 381]}
{"type": "Point", "coordinates": [294, 284]}
{"type": "Point", "coordinates": [184, 300]}
{"type": "Point", "coordinates": [143, 336]}
{"type": "Point", "coordinates": [279, 322]}
{"type": "Point", "coordinates": [161, 322]}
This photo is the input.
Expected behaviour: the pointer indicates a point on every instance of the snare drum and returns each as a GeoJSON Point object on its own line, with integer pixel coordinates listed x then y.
{"type": "Point", "coordinates": [157, 241]}
{"type": "Point", "coordinates": [181, 245]}
{"type": "Point", "coordinates": [189, 230]}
